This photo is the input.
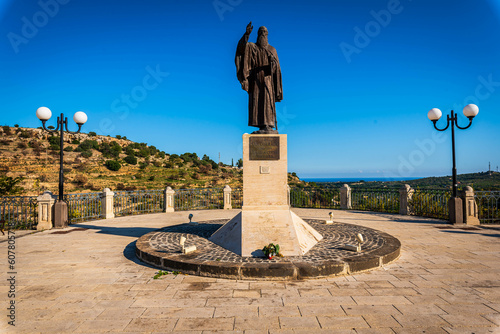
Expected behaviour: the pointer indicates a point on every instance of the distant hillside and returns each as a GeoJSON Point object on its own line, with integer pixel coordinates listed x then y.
{"type": "Point", "coordinates": [478, 181]}
{"type": "Point", "coordinates": [93, 162]}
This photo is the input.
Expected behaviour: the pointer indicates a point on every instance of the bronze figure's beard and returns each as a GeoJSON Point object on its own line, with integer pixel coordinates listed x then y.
{"type": "Point", "coordinates": [262, 41]}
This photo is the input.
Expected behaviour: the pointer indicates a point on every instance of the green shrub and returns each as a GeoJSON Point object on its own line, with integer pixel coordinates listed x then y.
{"type": "Point", "coordinates": [86, 154]}
{"type": "Point", "coordinates": [55, 147]}
{"type": "Point", "coordinates": [92, 134]}
{"type": "Point", "coordinates": [130, 159]}
{"type": "Point", "coordinates": [54, 140]}
{"type": "Point", "coordinates": [88, 145]}
{"type": "Point", "coordinates": [143, 153]}
{"type": "Point", "coordinates": [68, 149]}
{"type": "Point", "coordinates": [113, 165]}
{"type": "Point", "coordinates": [25, 134]}
{"type": "Point", "coordinates": [129, 150]}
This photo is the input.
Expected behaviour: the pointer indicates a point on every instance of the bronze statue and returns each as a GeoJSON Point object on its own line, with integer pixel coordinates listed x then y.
{"type": "Point", "coordinates": [258, 71]}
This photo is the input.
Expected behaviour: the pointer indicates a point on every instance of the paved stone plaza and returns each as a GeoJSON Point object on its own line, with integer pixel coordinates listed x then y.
{"type": "Point", "coordinates": [89, 281]}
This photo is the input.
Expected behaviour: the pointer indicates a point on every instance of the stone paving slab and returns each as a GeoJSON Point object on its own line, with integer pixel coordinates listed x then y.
{"type": "Point", "coordinates": [91, 282]}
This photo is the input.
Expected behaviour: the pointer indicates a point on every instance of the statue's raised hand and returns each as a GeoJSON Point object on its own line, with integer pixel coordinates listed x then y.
{"type": "Point", "coordinates": [249, 28]}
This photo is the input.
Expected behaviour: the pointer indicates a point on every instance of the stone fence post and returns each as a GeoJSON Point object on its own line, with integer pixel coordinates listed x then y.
{"type": "Point", "coordinates": [345, 197]}
{"type": "Point", "coordinates": [45, 210]}
{"type": "Point", "coordinates": [169, 200]}
{"type": "Point", "coordinates": [405, 196]}
{"type": "Point", "coordinates": [470, 209]}
{"type": "Point", "coordinates": [227, 198]}
{"type": "Point", "coordinates": [107, 204]}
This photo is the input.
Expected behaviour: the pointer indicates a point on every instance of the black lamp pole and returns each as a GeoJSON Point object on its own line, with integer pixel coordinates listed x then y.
{"type": "Point", "coordinates": [62, 123]}
{"type": "Point", "coordinates": [455, 205]}
{"type": "Point", "coordinates": [453, 120]}
{"type": "Point", "coordinates": [44, 114]}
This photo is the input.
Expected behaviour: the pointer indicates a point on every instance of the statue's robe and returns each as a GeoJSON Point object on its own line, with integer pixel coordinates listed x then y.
{"type": "Point", "coordinates": [259, 73]}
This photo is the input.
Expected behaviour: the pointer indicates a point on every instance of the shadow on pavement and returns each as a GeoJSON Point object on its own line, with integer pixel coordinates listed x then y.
{"type": "Point", "coordinates": [123, 231]}
{"type": "Point", "coordinates": [129, 254]}
{"type": "Point", "coordinates": [472, 232]}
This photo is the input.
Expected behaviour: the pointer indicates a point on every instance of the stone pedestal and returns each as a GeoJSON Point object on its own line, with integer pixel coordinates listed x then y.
{"type": "Point", "coordinates": [266, 216]}
{"type": "Point", "coordinates": [405, 197]}
{"type": "Point", "coordinates": [60, 214]}
{"type": "Point", "coordinates": [227, 198]}
{"type": "Point", "coordinates": [45, 211]}
{"type": "Point", "coordinates": [456, 210]}
{"type": "Point", "coordinates": [470, 209]}
{"type": "Point", "coordinates": [169, 199]}
{"type": "Point", "coordinates": [345, 197]}
{"type": "Point", "coordinates": [107, 210]}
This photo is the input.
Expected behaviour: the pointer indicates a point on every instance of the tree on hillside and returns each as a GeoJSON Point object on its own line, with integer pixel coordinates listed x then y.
{"type": "Point", "coordinates": [112, 165]}
{"type": "Point", "coordinates": [9, 185]}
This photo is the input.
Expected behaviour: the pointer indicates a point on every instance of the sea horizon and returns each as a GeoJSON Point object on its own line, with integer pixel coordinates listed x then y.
{"type": "Point", "coordinates": [357, 179]}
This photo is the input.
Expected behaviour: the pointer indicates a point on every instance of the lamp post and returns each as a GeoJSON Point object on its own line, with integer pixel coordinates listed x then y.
{"type": "Point", "coordinates": [470, 111]}
{"type": "Point", "coordinates": [44, 114]}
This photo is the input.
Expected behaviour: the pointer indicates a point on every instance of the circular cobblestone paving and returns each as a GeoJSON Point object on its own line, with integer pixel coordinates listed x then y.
{"type": "Point", "coordinates": [161, 248]}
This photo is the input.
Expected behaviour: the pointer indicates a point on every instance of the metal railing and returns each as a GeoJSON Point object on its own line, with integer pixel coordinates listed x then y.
{"type": "Point", "coordinates": [198, 199]}
{"type": "Point", "coordinates": [138, 202]}
{"type": "Point", "coordinates": [488, 203]}
{"type": "Point", "coordinates": [320, 198]}
{"type": "Point", "coordinates": [237, 198]}
{"type": "Point", "coordinates": [19, 212]}
{"type": "Point", "coordinates": [380, 200]}
{"type": "Point", "coordinates": [430, 203]}
{"type": "Point", "coordinates": [83, 207]}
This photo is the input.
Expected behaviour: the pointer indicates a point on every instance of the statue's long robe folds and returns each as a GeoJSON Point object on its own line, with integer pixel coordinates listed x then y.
{"type": "Point", "coordinates": [259, 73]}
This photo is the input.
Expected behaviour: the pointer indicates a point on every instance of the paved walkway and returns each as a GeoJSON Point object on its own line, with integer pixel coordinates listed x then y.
{"type": "Point", "coordinates": [88, 281]}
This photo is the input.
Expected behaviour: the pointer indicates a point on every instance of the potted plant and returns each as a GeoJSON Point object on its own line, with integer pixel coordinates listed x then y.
{"type": "Point", "coordinates": [271, 250]}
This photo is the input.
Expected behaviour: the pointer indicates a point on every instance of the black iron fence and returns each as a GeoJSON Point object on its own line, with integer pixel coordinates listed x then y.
{"type": "Point", "coordinates": [19, 212]}
{"type": "Point", "coordinates": [138, 202]}
{"type": "Point", "coordinates": [488, 205]}
{"type": "Point", "coordinates": [237, 198]}
{"type": "Point", "coordinates": [430, 203]}
{"type": "Point", "coordinates": [320, 198]}
{"type": "Point", "coordinates": [83, 207]}
{"type": "Point", "coordinates": [380, 200]}
{"type": "Point", "coordinates": [199, 199]}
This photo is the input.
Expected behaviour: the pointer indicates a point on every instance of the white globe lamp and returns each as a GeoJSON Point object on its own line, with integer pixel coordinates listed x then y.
{"type": "Point", "coordinates": [80, 118]}
{"type": "Point", "coordinates": [434, 114]}
{"type": "Point", "coordinates": [43, 113]}
{"type": "Point", "coordinates": [471, 111]}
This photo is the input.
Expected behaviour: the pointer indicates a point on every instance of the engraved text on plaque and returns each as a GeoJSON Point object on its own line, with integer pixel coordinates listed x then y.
{"type": "Point", "coordinates": [264, 148]}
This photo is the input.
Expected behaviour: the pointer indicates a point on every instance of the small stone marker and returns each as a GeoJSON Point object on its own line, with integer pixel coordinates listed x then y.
{"type": "Point", "coordinates": [355, 248]}
{"type": "Point", "coordinates": [329, 222]}
{"type": "Point", "coordinates": [189, 249]}
{"type": "Point", "coordinates": [186, 249]}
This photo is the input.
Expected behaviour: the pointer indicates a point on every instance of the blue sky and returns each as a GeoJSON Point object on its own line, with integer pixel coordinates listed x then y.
{"type": "Point", "coordinates": [358, 77]}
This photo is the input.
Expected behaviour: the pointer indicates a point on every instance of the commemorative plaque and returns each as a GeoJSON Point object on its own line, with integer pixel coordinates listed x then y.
{"type": "Point", "coordinates": [264, 148]}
